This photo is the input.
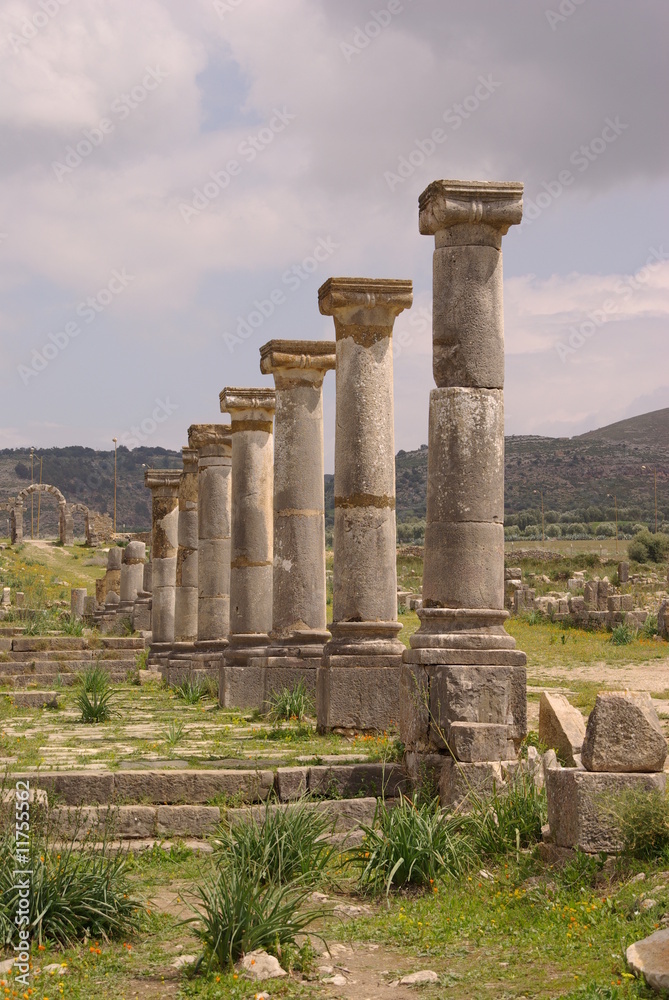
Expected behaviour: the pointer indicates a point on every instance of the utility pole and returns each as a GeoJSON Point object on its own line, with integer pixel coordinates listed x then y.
{"type": "Point", "coordinates": [32, 495]}
{"type": "Point", "coordinates": [114, 440]}
{"type": "Point", "coordinates": [39, 495]}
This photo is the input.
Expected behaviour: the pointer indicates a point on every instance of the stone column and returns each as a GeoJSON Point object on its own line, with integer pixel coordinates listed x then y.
{"type": "Point", "coordinates": [463, 681]}
{"type": "Point", "coordinates": [132, 573]}
{"type": "Point", "coordinates": [164, 486]}
{"type": "Point", "coordinates": [298, 591]}
{"type": "Point", "coordinates": [358, 682]}
{"type": "Point", "coordinates": [241, 684]}
{"type": "Point", "coordinates": [185, 598]}
{"type": "Point", "coordinates": [16, 524]}
{"type": "Point", "coordinates": [214, 447]}
{"type": "Point", "coordinates": [77, 598]}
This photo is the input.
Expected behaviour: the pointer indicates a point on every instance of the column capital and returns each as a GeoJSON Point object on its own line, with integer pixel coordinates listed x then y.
{"type": "Point", "coordinates": [209, 436]}
{"type": "Point", "coordinates": [302, 359]}
{"type": "Point", "coordinates": [189, 457]}
{"type": "Point", "coordinates": [248, 407]}
{"type": "Point", "coordinates": [162, 478]}
{"type": "Point", "coordinates": [364, 301]}
{"type": "Point", "coordinates": [491, 206]}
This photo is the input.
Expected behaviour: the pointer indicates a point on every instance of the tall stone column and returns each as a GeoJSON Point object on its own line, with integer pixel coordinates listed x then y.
{"type": "Point", "coordinates": [242, 679]}
{"type": "Point", "coordinates": [298, 593]}
{"type": "Point", "coordinates": [185, 604]}
{"type": "Point", "coordinates": [164, 486]}
{"type": "Point", "coordinates": [358, 681]}
{"type": "Point", "coordinates": [132, 573]}
{"type": "Point", "coordinates": [214, 447]}
{"type": "Point", "coordinates": [463, 682]}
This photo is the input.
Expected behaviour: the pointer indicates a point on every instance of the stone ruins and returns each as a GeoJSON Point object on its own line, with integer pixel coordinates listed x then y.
{"type": "Point", "coordinates": [98, 528]}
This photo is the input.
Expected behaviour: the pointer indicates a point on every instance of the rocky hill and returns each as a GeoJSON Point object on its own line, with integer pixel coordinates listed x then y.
{"type": "Point", "coordinates": [578, 476]}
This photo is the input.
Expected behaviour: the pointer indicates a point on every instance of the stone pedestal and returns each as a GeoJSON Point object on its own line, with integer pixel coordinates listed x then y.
{"type": "Point", "coordinates": [186, 593]}
{"type": "Point", "coordinates": [358, 680]}
{"type": "Point", "coordinates": [77, 599]}
{"type": "Point", "coordinates": [242, 677]}
{"type": "Point", "coordinates": [299, 620]}
{"type": "Point", "coordinates": [463, 681]}
{"type": "Point", "coordinates": [213, 445]}
{"type": "Point", "coordinates": [164, 486]}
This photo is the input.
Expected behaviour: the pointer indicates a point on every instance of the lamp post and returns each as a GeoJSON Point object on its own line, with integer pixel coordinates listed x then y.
{"type": "Point", "coordinates": [114, 440]}
{"type": "Point", "coordinates": [39, 495]}
{"type": "Point", "coordinates": [615, 507]}
{"type": "Point", "coordinates": [543, 537]}
{"type": "Point", "coordinates": [32, 495]}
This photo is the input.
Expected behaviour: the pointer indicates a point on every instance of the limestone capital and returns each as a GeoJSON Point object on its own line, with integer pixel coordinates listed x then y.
{"type": "Point", "coordinates": [448, 203]}
{"type": "Point", "coordinates": [208, 436]}
{"type": "Point", "coordinates": [301, 360]}
{"type": "Point", "coordinates": [365, 301]}
{"type": "Point", "coordinates": [167, 479]}
{"type": "Point", "coordinates": [248, 406]}
{"type": "Point", "coordinates": [189, 457]}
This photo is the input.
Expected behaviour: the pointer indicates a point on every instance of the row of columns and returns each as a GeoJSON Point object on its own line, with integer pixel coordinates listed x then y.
{"type": "Point", "coordinates": [459, 691]}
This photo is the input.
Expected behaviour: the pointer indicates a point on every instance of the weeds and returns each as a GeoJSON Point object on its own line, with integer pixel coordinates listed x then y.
{"type": "Point", "coordinates": [287, 844]}
{"type": "Point", "coordinates": [237, 914]}
{"type": "Point", "coordinates": [95, 695]}
{"type": "Point", "coordinates": [622, 635]}
{"type": "Point", "coordinates": [508, 819]}
{"type": "Point", "coordinates": [191, 691]}
{"type": "Point", "coordinates": [290, 703]}
{"type": "Point", "coordinates": [71, 625]}
{"type": "Point", "coordinates": [643, 821]}
{"type": "Point", "coordinates": [413, 843]}
{"type": "Point", "coordinates": [175, 733]}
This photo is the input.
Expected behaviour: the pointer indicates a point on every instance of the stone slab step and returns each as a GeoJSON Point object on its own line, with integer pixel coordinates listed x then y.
{"type": "Point", "coordinates": [191, 786]}
{"type": "Point", "coordinates": [35, 699]}
{"type": "Point", "coordinates": [35, 644]}
{"type": "Point", "coordinates": [12, 682]}
{"type": "Point", "coordinates": [62, 666]}
{"type": "Point", "coordinates": [143, 822]}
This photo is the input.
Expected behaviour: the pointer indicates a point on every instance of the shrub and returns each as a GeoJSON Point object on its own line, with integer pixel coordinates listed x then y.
{"type": "Point", "coordinates": [647, 547]}
{"type": "Point", "coordinates": [287, 845]}
{"type": "Point", "coordinates": [290, 703]}
{"type": "Point", "coordinates": [508, 820]}
{"type": "Point", "coordinates": [649, 627]}
{"type": "Point", "coordinates": [622, 635]}
{"type": "Point", "coordinates": [237, 914]}
{"type": "Point", "coordinates": [605, 530]}
{"type": "Point", "coordinates": [77, 891]}
{"type": "Point", "coordinates": [72, 626]}
{"type": "Point", "coordinates": [643, 821]}
{"type": "Point", "coordinates": [413, 843]}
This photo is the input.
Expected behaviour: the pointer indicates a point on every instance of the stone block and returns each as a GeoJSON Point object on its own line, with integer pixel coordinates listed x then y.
{"type": "Point", "coordinates": [357, 698]}
{"type": "Point", "coordinates": [623, 572]}
{"type": "Point", "coordinates": [603, 591]}
{"type": "Point", "coordinates": [414, 698]}
{"type": "Point", "coordinates": [478, 741]}
{"type": "Point", "coordinates": [614, 603]}
{"type": "Point", "coordinates": [649, 958]}
{"type": "Point", "coordinates": [627, 602]}
{"type": "Point", "coordinates": [288, 671]}
{"type": "Point", "coordinates": [494, 695]}
{"type": "Point", "coordinates": [75, 788]}
{"type": "Point", "coordinates": [624, 734]}
{"type": "Point", "coordinates": [561, 726]}
{"type": "Point", "coordinates": [458, 781]}
{"type": "Point", "coordinates": [241, 687]}
{"type": "Point", "coordinates": [423, 772]}
{"type": "Point", "coordinates": [187, 820]}
{"type": "Point", "coordinates": [590, 595]}
{"type": "Point", "coordinates": [513, 573]}
{"type": "Point", "coordinates": [348, 780]}
{"type": "Point", "coordinates": [291, 783]}
{"type": "Point", "coordinates": [194, 787]}
{"type": "Point", "coordinates": [581, 805]}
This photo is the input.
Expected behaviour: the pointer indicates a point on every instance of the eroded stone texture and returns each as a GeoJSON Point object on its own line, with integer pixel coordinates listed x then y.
{"type": "Point", "coordinates": [650, 958]}
{"type": "Point", "coordinates": [582, 805]}
{"type": "Point", "coordinates": [186, 596]}
{"type": "Point", "coordinates": [561, 726]}
{"type": "Point", "coordinates": [452, 698]}
{"type": "Point", "coordinates": [164, 486]}
{"type": "Point", "coordinates": [298, 593]}
{"type": "Point", "coordinates": [624, 734]}
{"type": "Point", "coordinates": [364, 626]}
{"type": "Point", "coordinates": [214, 447]}
{"type": "Point", "coordinates": [251, 412]}
{"type": "Point", "coordinates": [132, 571]}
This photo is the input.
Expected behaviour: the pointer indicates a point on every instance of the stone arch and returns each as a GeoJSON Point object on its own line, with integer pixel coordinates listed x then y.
{"type": "Point", "coordinates": [65, 524]}
{"type": "Point", "coordinates": [81, 508]}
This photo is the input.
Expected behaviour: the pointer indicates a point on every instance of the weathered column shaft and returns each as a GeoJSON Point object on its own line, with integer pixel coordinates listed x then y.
{"type": "Point", "coordinates": [214, 448]}
{"type": "Point", "coordinates": [463, 683]}
{"type": "Point", "coordinates": [186, 596]}
{"type": "Point", "coordinates": [298, 588]}
{"type": "Point", "coordinates": [364, 626]}
{"type": "Point", "coordinates": [164, 486]}
{"type": "Point", "coordinates": [132, 571]}
{"type": "Point", "coordinates": [251, 412]}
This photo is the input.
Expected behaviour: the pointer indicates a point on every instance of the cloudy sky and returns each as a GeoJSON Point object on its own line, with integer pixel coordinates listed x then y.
{"type": "Point", "coordinates": [179, 178]}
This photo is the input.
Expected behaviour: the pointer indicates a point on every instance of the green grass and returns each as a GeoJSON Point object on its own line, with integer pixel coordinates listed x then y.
{"type": "Point", "coordinates": [545, 648]}
{"type": "Point", "coordinates": [290, 703]}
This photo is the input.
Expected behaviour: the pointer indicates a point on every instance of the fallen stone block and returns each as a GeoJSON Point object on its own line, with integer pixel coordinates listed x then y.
{"type": "Point", "coordinates": [561, 726]}
{"type": "Point", "coordinates": [624, 734]}
{"type": "Point", "coordinates": [650, 958]}
{"type": "Point", "coordinates": [582, 805]}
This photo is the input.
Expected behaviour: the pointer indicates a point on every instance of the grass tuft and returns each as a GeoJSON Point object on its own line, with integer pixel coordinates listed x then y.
{"type": "Point", "coordinates": [290, 704]}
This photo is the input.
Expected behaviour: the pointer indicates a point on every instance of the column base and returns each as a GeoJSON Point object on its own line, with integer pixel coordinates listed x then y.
{"type": "Point", "coordinates": [363, 644]}
{"type": "Point", "coordinates": [357, 696]}
{"type": "Point", "coordinates": [243, 647]}
{"type": "Point", "coordinates": [159, 653]}
{"type": "Point", "coordinates": [242, 686]}
{"type": "Point", "coordinates": [478, 712]}
{"type": "Point", "coordinates": [472, 629]}
{"type": "Point", "coordinates": [287, 671]}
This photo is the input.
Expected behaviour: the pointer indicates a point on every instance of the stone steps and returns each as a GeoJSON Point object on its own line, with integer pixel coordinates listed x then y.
{"type": "Point", "coordinates": [67, 679]}
{"type": "Point", "coordinates": [63, 666]}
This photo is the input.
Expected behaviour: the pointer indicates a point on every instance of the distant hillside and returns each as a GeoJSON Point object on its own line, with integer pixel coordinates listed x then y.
{"type": "Point", "coordinates": [575, 474]}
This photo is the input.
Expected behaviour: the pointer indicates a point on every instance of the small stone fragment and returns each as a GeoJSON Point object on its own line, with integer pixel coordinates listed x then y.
{"type": "Point", "coordinates": [561, 726]}
{"type": "Point", "coordinates": [650, 958]}
{"type": "Point", "coordinates": [260, 965]}
{"type": "Point", "coordinates": [181, 960]}
{"type": "Point", "coordinates": [416, 978]}
{"type": "Point", "coordinates": [337, 980]}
